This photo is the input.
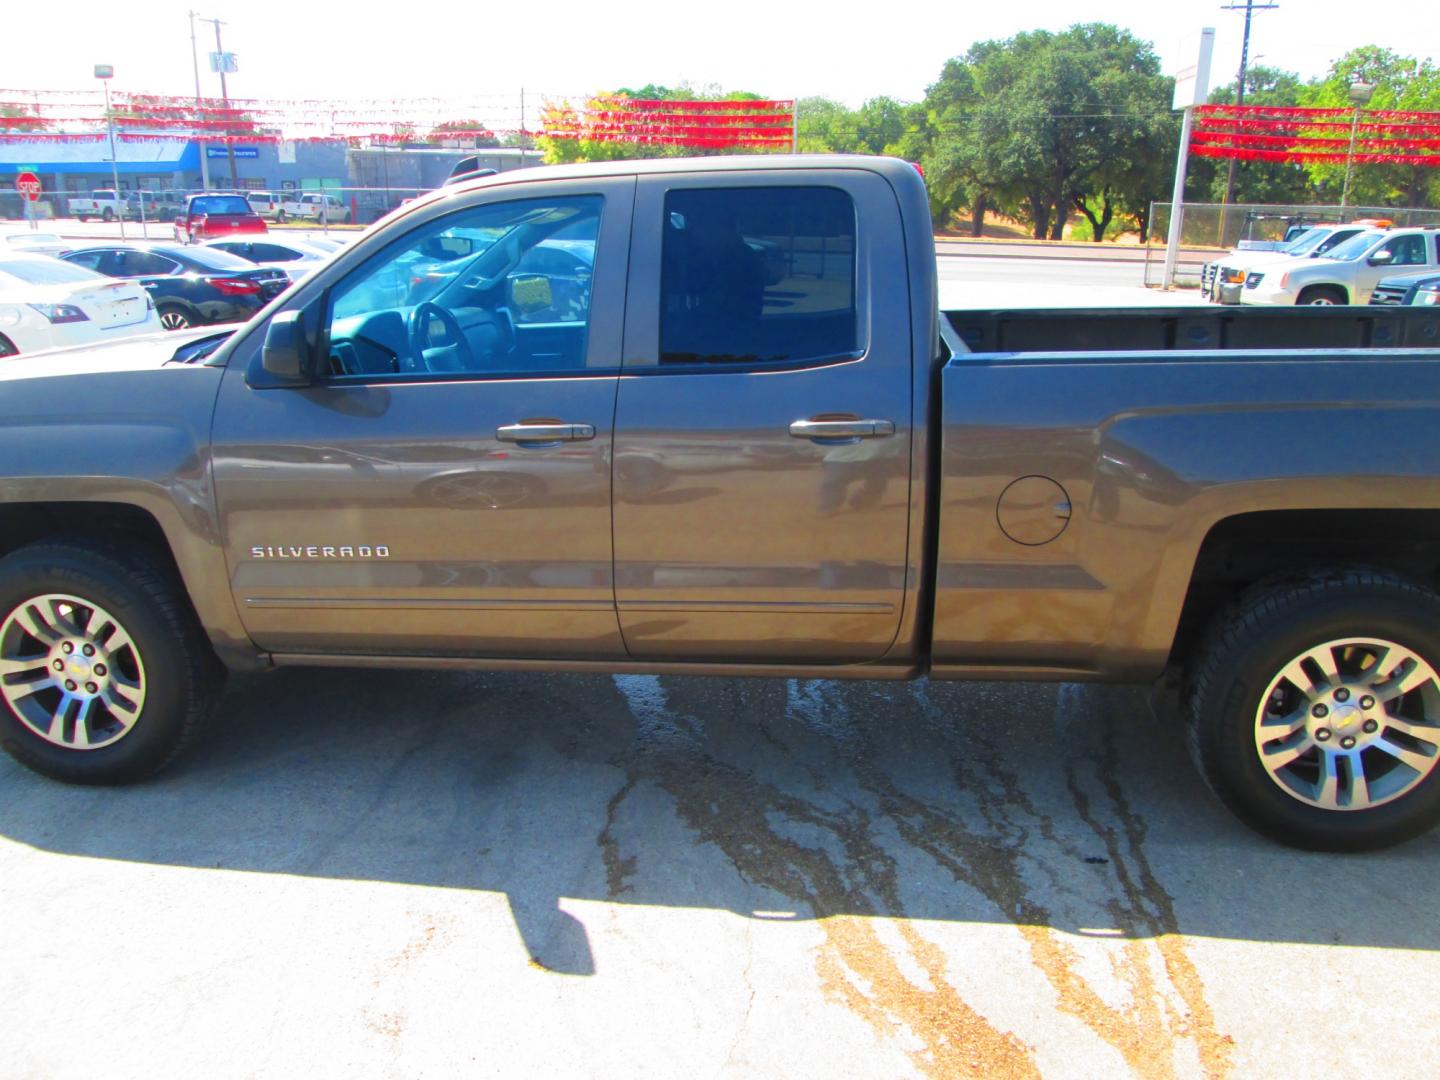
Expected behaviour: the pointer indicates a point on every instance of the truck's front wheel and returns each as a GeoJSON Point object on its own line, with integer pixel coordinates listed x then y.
{"type": "Point", "coordinates": [1315, 712]}
{"type": "Point", "coordinates": [105, 674]}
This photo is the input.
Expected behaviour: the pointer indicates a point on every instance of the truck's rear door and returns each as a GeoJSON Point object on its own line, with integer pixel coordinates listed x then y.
{"type": "Point", "coordinates": [763, 424]}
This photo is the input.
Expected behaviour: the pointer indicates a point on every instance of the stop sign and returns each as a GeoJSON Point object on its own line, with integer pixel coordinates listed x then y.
{"type": "Point", "coordinates": [28, 184]}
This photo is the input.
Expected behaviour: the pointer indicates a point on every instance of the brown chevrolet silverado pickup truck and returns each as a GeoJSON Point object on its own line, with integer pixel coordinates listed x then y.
{"type": "Point", "coordinates": [707, 417]}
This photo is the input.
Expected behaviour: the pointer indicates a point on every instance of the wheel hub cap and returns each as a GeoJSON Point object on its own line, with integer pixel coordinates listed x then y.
{"type": "Point", "coordinates": [1350, 724]}
{"type": "Point", "coordinates": [70, 672]}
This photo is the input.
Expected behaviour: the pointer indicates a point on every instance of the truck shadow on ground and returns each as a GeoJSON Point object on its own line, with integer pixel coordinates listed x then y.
{"type": "Point", "coordinates": [1067, 812]}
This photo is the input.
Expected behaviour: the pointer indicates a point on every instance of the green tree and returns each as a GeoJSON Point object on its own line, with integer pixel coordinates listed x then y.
{"type": "Point", "coordinates": [825, 127]}
{"type": "Point", "coordinates": [1041, 124]}
{"type": "Point", "coordinates": [467, 132]}
{"type": "Point", "coordinates": [1401, 83]}
{"type": "Point", "coordinates": [942, 134]}
{"type": "Point", "coordinates": [879, 125]}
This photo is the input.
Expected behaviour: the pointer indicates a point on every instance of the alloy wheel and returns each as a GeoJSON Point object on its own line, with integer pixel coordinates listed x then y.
{"type": "Point", "coordinates": [1350, 724]}
{"type": "Point", "coordinates": [70, 671]}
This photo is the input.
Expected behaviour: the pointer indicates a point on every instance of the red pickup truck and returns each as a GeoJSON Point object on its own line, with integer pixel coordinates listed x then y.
{"type": "Point", "coordinates": [207, 217]}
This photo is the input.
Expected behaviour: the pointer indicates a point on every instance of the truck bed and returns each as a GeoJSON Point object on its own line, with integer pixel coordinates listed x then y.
{"type": "Point", "coordinates": [1193, 328]}
{"type": "Point", "coordinates": [1083, 466]}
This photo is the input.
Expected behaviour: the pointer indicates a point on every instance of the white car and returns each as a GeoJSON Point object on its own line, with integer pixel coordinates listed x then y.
{"type": "Point", "coordinates": [49, 304]}
{"type": "Point", "coordinates": [1232, 270]}
{"type": "Point", "coordinates": [36, 243]}
{"type": "Point", "coordinates": [296, 257]}
{"type": "Point", "coordinates": [313, 207]}
{"type": "Point", "coordinates": [1347, 273]}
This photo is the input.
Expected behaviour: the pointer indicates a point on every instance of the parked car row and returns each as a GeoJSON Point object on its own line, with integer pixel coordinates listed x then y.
{"type": "Point", "coordinates": [107, 204]}
{"type": "Point", "coordinates": [1352, 263]}
{"type": "Point", "coordinates": [56, 293]}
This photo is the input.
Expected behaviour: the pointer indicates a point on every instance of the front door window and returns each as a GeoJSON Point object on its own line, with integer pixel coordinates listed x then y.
{"type": "Point", "coordinates": [470, 295]}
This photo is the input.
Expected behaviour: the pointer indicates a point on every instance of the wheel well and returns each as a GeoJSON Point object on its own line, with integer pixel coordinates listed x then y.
{"type": "Point", "coordinates": [1310, 290]}
{"type": "Point", "coordinates": [1244, 550]}
{"type": "Point", "coordinates": [120, 523]}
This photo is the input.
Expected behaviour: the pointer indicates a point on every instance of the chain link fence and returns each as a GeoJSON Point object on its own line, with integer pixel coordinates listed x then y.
{"type": "Point", "coordinates": [1217, 228]}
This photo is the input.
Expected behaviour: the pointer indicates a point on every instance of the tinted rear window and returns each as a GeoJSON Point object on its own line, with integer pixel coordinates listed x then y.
{"type": "Point", "coordinates": [219, 204]}
{"type": "Point", "coordinates": [209, 257]}
{"type": "Point", "coordinates": [757, 275]}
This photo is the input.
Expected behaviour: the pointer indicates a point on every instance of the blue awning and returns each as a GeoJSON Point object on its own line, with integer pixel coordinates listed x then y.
{"type": "Point", "coordinates": [139, 156]}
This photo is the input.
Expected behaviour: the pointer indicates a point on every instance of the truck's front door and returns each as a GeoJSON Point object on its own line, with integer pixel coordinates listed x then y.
{"type": "Point", "coordinates": [444, 487]}
{"type": "Point", "coordinates": [763, 427]}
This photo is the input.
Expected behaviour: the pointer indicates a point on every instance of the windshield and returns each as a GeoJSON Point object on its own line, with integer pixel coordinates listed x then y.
{"type": "Point", "coordinates": [219, 204]}
{"type": "Point", "coordinates": [1354, 248]}
{"type": "Point", "coordinates": [47, 271]}
{"type": "Point", "coordinates": [1307, 242]}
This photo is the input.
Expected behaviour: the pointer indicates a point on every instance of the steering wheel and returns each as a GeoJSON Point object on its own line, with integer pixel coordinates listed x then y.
{"type": "Point", "coordinates": [419, 333]}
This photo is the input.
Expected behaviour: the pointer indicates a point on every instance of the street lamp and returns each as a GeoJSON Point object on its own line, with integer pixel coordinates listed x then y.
{"type": "Point", "coordinates": [1360, 94]}
{"type": "Point", "coordinates": [106, 72]}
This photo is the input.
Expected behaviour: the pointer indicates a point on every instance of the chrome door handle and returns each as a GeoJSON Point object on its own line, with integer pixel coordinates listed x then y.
{"type": "Point", "coordinates": [545, 433]}
{"type": "Point", "coordinates": [842, 429]}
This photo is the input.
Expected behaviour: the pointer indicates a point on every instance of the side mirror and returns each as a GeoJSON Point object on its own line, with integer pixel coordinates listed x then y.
{"type": "Point", "coordinates": [284, 360]}
{"type": "Point", "coordinates": [1382, 258]}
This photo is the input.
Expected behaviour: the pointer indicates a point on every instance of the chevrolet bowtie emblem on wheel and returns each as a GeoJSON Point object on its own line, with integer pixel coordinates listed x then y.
{"type": "Point", "coordinates": [327, 551]}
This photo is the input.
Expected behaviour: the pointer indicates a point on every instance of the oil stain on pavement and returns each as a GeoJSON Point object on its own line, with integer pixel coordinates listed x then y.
{"type": "Point", "coordinates": [825, 839]}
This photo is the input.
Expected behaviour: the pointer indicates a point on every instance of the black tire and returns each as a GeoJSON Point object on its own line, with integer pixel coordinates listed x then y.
{"type": "Point", "coordinates": [182, 675]}
{"type": "Point", "coordinates": [280, 218]}
{"type": "Point", "coordinates": [1248, 648]}
{"type": "Point", "coordinates": [1322, 295]}
{"type": "Point", "coordinates": [174, 318]}
{"type": "Point", "coordinates": [107, 215]}
{"type": "Point", "coordinates": [82, 217]}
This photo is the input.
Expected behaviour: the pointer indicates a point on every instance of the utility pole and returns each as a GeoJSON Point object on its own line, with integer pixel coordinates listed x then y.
{"type": "Point", "coordinates": [104, 73]}
{"type": "Point", "coordinates": [199, 116]}
{"type": "Point", "coordinates": [225, 101]}
{"type": "Point", "coordinates": [1249, 7]}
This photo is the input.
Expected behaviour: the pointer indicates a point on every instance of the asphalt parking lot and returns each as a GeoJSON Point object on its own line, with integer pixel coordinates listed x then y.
{"type": "Point", "coordinates": [417, 874]}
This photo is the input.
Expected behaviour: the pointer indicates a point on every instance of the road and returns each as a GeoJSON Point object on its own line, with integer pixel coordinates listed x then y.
{"type": "Point", "coordinates": [410, 874]}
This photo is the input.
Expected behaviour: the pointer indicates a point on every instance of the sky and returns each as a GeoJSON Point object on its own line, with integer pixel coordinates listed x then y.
{"type": "Point", "coordinates": [487, 52]}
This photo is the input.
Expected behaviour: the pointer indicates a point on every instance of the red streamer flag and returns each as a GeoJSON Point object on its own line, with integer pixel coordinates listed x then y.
{"type": "Point", "coordinates": [1308, 136]}
{"type": "Point", "coordinates": [709, 124]}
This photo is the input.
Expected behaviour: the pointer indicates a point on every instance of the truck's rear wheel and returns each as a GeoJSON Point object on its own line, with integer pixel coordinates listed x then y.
{"type": "Point", "coordinates": [104, 673]}
{"type": "Point", "coordinates": [280, 218]}
{"type": "Point", "coordinates": [1315, 712]}
{"type": "Point", "coordinates": [107, 215]}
